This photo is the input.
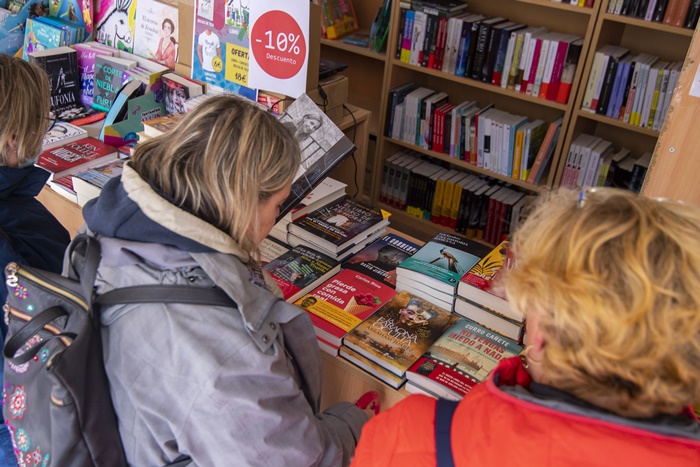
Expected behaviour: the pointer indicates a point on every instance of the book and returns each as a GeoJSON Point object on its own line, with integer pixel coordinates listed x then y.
{"type": "Point", "coordinates": [442, 262]}
{"type": "Point", "coordinates": [397, 334]}
{"type": "Point", "coordinates": [161, 125]}
{"type": "Point", "coordinates": [156, 29]}
{"type": "Point", "coordinates": [270, 248]}
{"type": "Point", "coordinates": [328, 190]}
{"type": "Point", "coordinates": [339, 224]}
{"type": "Point", "coordinates": [299, 270]}
{"type": "Point", "coordinates": [342, 302]}
{"type": "Point", "coordinates": [461, 358]}
{"type": "Point", "coordinates": [370, 367]}
{"type": "Point", "coordinates": [380, 259]}
{"type": "Point", "coordinates": [177, 89]}
{"type": "Point", "coordinates": [110, 74]}
{"type": "Point", "coordinates": [62, 133]}
{"type": "Point", "coordinates": [323, 147]}
{"type": "Point", "coordinates": [88, 184]}
{"type": "Point", "coordinates": [86, 53]}
{"type": "Point", "coordinates": [478, 283]}
{"type": "Point", "coordinates": [75, 157]}
{"type": "Point", "coordinates": [544, 155]}
{"type": "Point", "coordinates": [491, 319]}
{"type": "Point", "coordinates": [338, 18]}
{"type": "Point", "coordinates": [61, 65]}
{"type": "Point", "coordinates": [114, 23]}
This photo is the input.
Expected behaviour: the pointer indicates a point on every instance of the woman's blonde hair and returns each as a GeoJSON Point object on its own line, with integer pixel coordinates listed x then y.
{"type": "Point", "coordinates": [220, 162]}
{"type": "Point", "coordinates": [613, 281]}
{"type": "Point", "coordinates": [24, 108]}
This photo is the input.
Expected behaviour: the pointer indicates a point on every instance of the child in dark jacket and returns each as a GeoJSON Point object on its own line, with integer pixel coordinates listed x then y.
{"type": "Point", "coordinates": [29, 233]}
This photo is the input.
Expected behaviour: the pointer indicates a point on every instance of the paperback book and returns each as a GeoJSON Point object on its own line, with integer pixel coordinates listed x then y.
{"type": "Point", "coordinates": [400, 332]}
{"type": "Point", "coordinates": [380, 259]}
{"type": "Point", "coordinates": [88, 184]}
{"type": "Point", "coordinates": [327, 191]}
{"type": "Point", "coordinates": [464, 356]}
{"type": "Point", "coordinates": [442, 262]}
{"type": "Point", "coordinates": [270, 248]}
{"type": "Point", "coordinates": [343, 302]}
{"type": "Point", "coordinates": [62, 133]}
{"type": "Point", "coordinates": [300, 270]}
{"type": "Point", "coordinates": [75, 157]}
{"type": "Point", "coordinates": [370, 367]}
{"type": "Point", "coordinates": [339, 224]}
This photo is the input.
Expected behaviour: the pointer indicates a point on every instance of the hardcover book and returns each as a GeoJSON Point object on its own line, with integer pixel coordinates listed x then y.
{"type": "Point", "coordinates": [343, 302]}
{"type": "Point", "coordinates": [300, 270]}
{"type": "Point", "coordinates": [443, 261]}
{"type": "Point", "coordinates": [339, 224]}
{"type": "Point", "coordinates": [61, 65]}
{"type": "Point", "coordinates": [462, 357]}
{"type": "Point", "coordinates": [380, 259]}
{"type": "Point", "coordinates": [75, 157]}
{"type": "Point", "coordinates": [397, 334]}
{"type": "Point", "coordinates": [62, 133]}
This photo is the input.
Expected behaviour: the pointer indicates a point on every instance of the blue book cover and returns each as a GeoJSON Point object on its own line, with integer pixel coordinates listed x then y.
{"type": "Point", "coordinates": [380, 259]}
{"type": "Point", "coordinates": [40, 36]}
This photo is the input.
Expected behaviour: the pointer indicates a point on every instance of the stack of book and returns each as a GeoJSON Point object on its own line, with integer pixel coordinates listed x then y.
{"type": "Point", "coordinates": [340, 228]}
{"type": "Point", "coordinates": [461, 358]}
{"type": "Point", "coordinates": [480, 299]}
{"type": "Point", "coordinates": [396, 336]}
{"type": "Point", "coordinates": [299, 270]}
{"type": "Point", "coordinates": [435, 270]}
{"type": "Point", "coordinates": [64, 161]}
{"type": "Point", "coordinates": [368, 281]}
{"type": "Point", "coordinates": [62, 133]}
{"type": "Point", "coordinates": [327, 191]}
{"type": "Point", "coordinates": [88, 184]}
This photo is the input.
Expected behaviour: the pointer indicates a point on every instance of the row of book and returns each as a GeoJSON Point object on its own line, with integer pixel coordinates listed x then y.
{"type": "Point", "coordinates": [476, 206]}
{"type": "Point", "coordinates": [593, 161]}
{"type": "Point", "coordinates": [580, 3]}
{"type": "Point", "coordinates": [680, 13]}
{"type": "Point", "coordinates": [635, 89]}
{"type": "Point", "coordinates": [51, 31]}
{"type": "Point", "coordinates": [363, 311]}
{"type": "Point", "coordinates": [530, 60]}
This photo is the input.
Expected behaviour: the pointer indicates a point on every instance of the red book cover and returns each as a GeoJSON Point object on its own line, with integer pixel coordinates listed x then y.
{"type": "Point", "coordinates": [530, 82]}
{"type": "Point", "coordinates": [440, 45]}
{"type": "Point", "coordinates": [75, 157]}
{"type": "Point", "coordinates": [343, 302]}
{"type": "Point", "coordinates": [554, 82]}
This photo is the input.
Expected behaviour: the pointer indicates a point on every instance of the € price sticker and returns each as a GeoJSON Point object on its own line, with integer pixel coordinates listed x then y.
{"type": "Point", "coordinates": [279, 46]}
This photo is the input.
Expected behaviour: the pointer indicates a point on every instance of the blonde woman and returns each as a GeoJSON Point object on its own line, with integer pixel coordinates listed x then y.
{"type": "Point", "coordinates": [610, 285]}
{"type": "Point", "coordinates": [225, 386]}
{"type": "Point", "coordinates": [29, 234]}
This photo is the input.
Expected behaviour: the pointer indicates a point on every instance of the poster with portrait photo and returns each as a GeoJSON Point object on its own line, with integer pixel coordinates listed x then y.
{"type": "Point", "coordinates": [323, 147]}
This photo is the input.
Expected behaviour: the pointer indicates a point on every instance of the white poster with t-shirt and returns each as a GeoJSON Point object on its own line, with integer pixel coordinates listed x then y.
{"type": "Point", "coordinates": [279, 49]}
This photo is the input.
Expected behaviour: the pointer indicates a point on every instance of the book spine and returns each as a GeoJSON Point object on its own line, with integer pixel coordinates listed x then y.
{"type": "Point", "coordinates": [402, 32]}
{"type": "Point", "coordinates": [592, 81]}
{"type": "Point", "coordinates": [557, 71]}
{"type": "Point", "coordinates": [473, 37]}
{"type": "Point", "coordinates": [481, 44]}
{"type": "Point", "coordinates": [430, 38]}
{"type": "Point", "coordinates": [606, 89]}
{"type": "Point", "coordinates": [407, 37]}
{"type": "Point", "coordinates": [440, 45]}
{"type": "Point", "coordinates": [463, 49]}
{"type": "Point", "coordinates": [532, 75]}
{"type": "Point", "coordinates": [541, 154]}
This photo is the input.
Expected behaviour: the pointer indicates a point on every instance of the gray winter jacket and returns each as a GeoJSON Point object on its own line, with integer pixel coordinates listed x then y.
{"type": "Point", "coordinates": [225, 386]}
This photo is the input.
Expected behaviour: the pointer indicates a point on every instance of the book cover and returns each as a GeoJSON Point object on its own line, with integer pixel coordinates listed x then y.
{"type": "Point", "coordinates": [78, 12]}
{"type": "Point", "coordinates": [328, 190]}
{"type": "Point", "coordinates": [61, 65]}
{"type": "Point", "coordinates": [300, 270]}
{"type": "Point", "coordinates": [86, 69]}
{"type": "Point", "coordinates": [156, 32]}
{"type": "Point", "coordinates": [109, 77]}
{"type": "Point", "coordinates": [270, 248]}
{"type": "Point", "coordinates": [62, 133]}
{"type": "Point", "coordinates": [443, 261]}
{"type": "Point", "coordinates": [40, 36]}
{"type": "Point", "coordinates": [397, 334]}
{"type": "Point", "coordinates": [478, 283]}
{"type": "Point", "coordinates": [75, 156]}
{"type": "Point", "coordinates": [88, 184]}
{"type": "Point", "coordinates": [338, 17]}
{"type": "Point", "coordinates": [462, 357]}
{"type": "Point", "coordinates": [176, 90]}
{"type": "Point", "coordinates": [380, 259]}
{"type": "Point", "coordinates": [221, 45]}
{"type": "Point", "coordinates": [323, 147]}
{"type": "Point", "coordinates": [339, 224]}
{"type": "Point", "coordinates": [114, 23]}
{"type": "Point", "coordinates": [342, 302]}
{"type": "Point", "coordinates": [161, 125]}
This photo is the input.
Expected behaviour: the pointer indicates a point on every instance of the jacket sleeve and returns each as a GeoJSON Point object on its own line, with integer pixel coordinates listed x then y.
{"type": "Point", "coordinates": [254, 412]}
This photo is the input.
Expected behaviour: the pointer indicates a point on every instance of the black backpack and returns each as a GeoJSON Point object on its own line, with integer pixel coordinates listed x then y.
{"type": "Point", "coordinates": [56, 398]}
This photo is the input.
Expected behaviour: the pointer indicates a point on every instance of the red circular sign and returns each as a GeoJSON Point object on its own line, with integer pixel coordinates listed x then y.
{"type": "Point", "coordinates": [278, 44]}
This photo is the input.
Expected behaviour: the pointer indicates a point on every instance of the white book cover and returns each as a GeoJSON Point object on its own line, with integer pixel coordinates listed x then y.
{"type": "Point", "coordinates": [156, 32]}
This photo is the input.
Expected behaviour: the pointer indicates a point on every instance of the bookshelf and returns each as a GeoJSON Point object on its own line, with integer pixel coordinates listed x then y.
{"type": "Point", "coordinates": [665, 41]}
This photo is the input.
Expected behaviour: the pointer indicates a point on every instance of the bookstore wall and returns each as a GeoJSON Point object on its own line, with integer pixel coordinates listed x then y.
{"type": "Point", "coordinates": [641, 37]}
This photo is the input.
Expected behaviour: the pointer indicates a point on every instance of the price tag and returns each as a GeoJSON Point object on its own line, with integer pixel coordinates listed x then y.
{"type": "Point", "coordinates": [278, 46]}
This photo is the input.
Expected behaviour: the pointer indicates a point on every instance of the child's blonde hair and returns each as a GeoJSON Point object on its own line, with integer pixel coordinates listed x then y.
{"type": "Point", "coordinates": [613, 281]}
{"type": "Point", "coordinates": [220, 162]}
{"type": "Point", "coordinates": [24, 108]}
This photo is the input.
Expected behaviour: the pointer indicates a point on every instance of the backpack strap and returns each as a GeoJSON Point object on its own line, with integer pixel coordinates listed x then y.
{"type": "Point", "coordinates": [165, 294]}
{"type": "Point", "coordinates": [444, 410]}
{"type": "Point", "coordinates": [32, 327]}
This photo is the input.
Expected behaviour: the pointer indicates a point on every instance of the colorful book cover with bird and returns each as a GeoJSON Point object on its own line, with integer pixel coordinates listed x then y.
{"type": "Point", "coordinates": [445, 258]}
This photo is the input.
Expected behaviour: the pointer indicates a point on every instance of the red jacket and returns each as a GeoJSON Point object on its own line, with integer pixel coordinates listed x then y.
{"type": "Point", "coordinates": [493, 428]}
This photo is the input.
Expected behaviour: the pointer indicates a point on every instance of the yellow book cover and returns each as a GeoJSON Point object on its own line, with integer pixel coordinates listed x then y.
{"type": "Point", "coordinates": [517, 154]}
{"type": "Point", "coordinates": [437, 201]}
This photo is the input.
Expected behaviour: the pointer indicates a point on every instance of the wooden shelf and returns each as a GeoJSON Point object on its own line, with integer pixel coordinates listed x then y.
{"type": "Point", "coordinates": [467, 166]}
{"type": "Point", "coordinates": [364, 51]}
{"type": "Point", "coordinates": [617, 123]}
{"type": "Point", "coordinates": [560, 6]}
{"type": "Point", "coordinates": [648, 24]}
{"type": "Point", "coordinates": [480, 85]}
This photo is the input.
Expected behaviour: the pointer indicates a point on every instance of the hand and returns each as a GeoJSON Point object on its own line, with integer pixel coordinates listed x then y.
{"type": "Point", "coordinates": [370, 403]}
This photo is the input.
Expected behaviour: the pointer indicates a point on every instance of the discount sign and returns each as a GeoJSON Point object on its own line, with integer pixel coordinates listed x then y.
{"type": "Point", "coordinates": [278, 42]}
